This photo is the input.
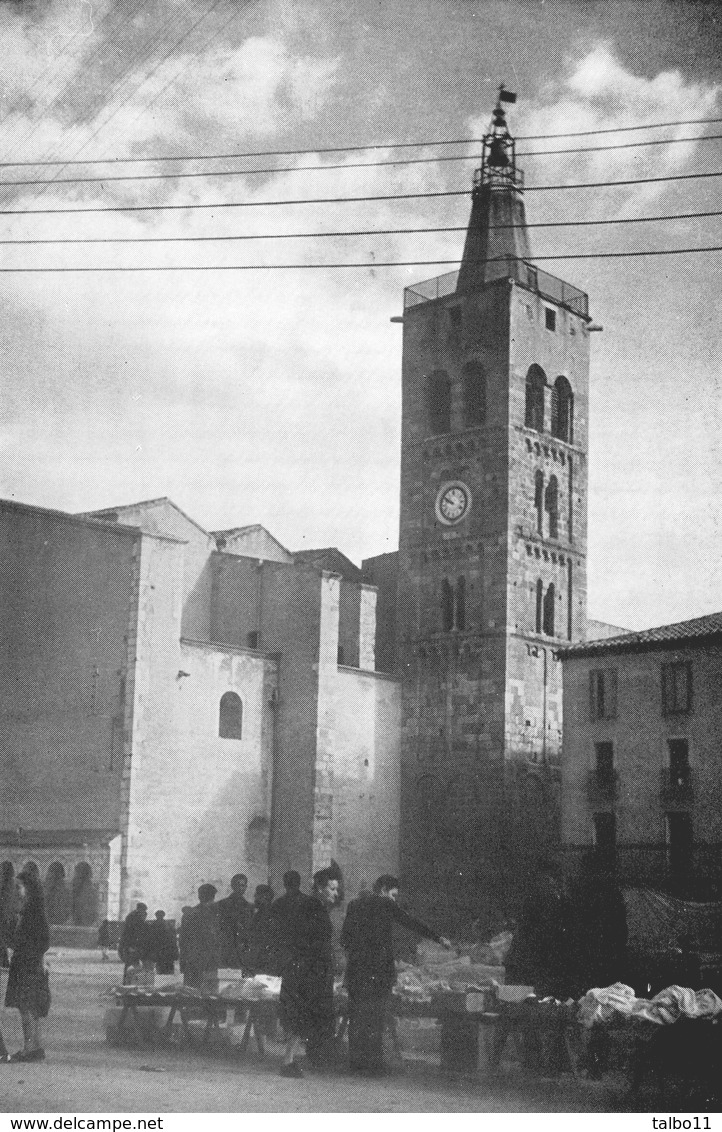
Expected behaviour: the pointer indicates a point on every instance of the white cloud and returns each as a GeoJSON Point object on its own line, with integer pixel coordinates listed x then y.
{"type": "Point", "coordinates": [256, 89]}
{"type": "Point", "coordinates": [598, 94]}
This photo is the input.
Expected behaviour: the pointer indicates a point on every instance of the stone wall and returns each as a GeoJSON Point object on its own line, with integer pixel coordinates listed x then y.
{"type": "Point", "coordinates": [236, 600]}
{"type": "Point", "coordinates": [162, 517]}
{"type": "Point", "coordinates": [66, 586]}
{"type": "Point", "coordinates": [290, 626]}
{"type": "Point", "coordinates": [367, 710]}
{"type": "Point", "coordinates": [382, 572]}
{"type": "Point", "coordinates": [147, 868]}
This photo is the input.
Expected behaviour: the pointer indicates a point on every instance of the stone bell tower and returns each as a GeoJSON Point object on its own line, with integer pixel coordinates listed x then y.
{"type": "Point", "coordinates": [492, 549]}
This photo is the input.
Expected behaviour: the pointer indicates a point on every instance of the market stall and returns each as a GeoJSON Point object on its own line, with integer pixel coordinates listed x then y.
{"type": "Point", "coordinates": [676, 1036]}
{"type": "Point", "coordinates": [677, 1033]}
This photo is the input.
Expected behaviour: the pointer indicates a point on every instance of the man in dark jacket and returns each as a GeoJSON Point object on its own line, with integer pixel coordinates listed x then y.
{"type": "Point", "coordinates": [163, 944]}
{"type": "Point", "coordinates": [306, 1007]}
{"type": "Point", "coordinates": [134, 945]}
{"type": "Point", "coordinates": [367, 937]}
{"type": "Point", "coordinates": [283, 911]}
{"type": "Point", "coordinates": [235, 915]}
{"type": "Point", "coordinates": [539, 955]}
{"type": "Point", "coordinates": [200, 942]}
{"type": "Point", "coordinates": [262, 952]}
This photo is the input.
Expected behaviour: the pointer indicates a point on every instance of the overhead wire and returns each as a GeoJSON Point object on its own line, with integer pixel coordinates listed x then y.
{"type": "Point", "coordinates": [366, 264]}
{"type": "Point", "coordinates": [44, 73]}
{"type": "Point", "coordinates": [425, 144]}
{"type": "Point", "coordinates": [145, 51]}
{"type": "Point", "coordinates": [209, 11]}
{"type": "Point", "coordinates": [106, 44]}
{"type": "Point", "coordinates": [347, 200]}
{"type": "Point", "coordinates": [351, 233]}
{"type": "Point", "coordinates": [233, 16]}
{"type": "Point", "coordinates": [324, 168]}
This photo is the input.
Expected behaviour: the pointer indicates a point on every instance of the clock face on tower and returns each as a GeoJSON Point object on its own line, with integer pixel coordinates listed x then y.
{"type": "Point", "coordinates": [453, 502]}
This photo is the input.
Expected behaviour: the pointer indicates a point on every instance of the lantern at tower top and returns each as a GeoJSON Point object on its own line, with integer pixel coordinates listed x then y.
{"type": "Point", "coordinates": [498, 154]}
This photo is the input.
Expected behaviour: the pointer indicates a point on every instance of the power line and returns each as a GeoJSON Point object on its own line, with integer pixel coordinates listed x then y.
{"type": "Point", "coordinates": [345, 200]}
{"type": "Point", "coordinates": [329, 168]}
{"type": "Point", "coordinates": [622, 145]}
{"type": "Point", "coordinates": [145, 51]}
{"type": "Point", "coordinates": [367, 264]}
{"type": "Point", "coordinates": [125, 16]}
{"type": "Point", "coordinates": [355, 232]}
{"type": "Point", "coordinates": [212, 7]}
{"type": "Point", "coordinates": [224, 204]}
{"type": "Point", "coordinates": [362, 148]}
{"type": "Point", "coordinates": [618, 129]}
{"type": "Point", "coordinates": [103, 52]}
{"type": "Point", "coordinates": [159, 94]}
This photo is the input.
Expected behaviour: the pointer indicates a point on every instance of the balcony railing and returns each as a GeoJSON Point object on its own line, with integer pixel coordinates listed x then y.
{"type": "Point", "coordinates": [676, 789]}
{"type": "Point", "coordinates": [522, 272]}
{"type": "Point", "coordinates": [602, 787]}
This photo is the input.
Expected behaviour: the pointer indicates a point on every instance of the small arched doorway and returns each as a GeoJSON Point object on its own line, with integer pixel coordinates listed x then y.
{"type": "Point", "coordinates": [84, 896]}
{"type": "Point", "coordinates": [57, 901]}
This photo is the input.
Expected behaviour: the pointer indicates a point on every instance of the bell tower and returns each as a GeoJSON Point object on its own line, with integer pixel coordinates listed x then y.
{"type": "Point", "coordinates": [492, 548]}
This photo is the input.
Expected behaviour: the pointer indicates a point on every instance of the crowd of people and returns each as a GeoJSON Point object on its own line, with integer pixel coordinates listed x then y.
{"type": "Point", "coordinates": [290, 937]}
{"type": "Point", "coordinates": [564, 943]}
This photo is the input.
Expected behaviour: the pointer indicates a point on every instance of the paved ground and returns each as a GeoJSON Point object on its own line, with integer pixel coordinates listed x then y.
{"type": "Point", "coordinates": [83, 1074]}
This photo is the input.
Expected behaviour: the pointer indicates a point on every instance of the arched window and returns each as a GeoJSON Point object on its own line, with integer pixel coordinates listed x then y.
{"type": "Point", "coordinates": [539, 501]}
{"type": "Point", "coordinates": [439, 402]}
{"type": "Point", "coordinates": [230, 717]}
{"type": "Point", "coordinates": [461, 603]}
{"type": "Point", "coordinates": [551, 502]}
{"type": "Point", "coordinates": [563, 410]}
{"type": "Point", "coordinates": [31, 867]}
{"type": "Point", "coordinates": [474, 394]}
{"type": "Point", "coordinates": [535, 386]}
{"type": "Point", "coordinates": [57, 902]}
{"type": "Point", "coordinates": [539, 604]}
{"type": "Point", "coordinates": [84, 895]}
{"type": "Point", "coordinates": [447, 606]}
{"type": "Point", "coordinates": [549, 597]}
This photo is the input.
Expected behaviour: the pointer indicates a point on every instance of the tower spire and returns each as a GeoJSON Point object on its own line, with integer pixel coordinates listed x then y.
{"type": "Point", "coordinates": [497, 226]}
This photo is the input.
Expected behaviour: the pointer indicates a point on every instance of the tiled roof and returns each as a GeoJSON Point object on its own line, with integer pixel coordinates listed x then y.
{"type": "Point", "coordinates": [698, 629]}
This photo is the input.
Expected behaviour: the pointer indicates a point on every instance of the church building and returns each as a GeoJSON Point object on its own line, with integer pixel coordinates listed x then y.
{"type": "Point", "coordinates": [180, 705]}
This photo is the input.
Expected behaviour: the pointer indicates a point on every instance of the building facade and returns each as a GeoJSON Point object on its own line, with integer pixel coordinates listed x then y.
{"type": "Point", "coordinates": [180, 705]}
{"type": "Point", "coordinates": [491, 569]}
{"type": "Point", "coordinates": [642, 776]}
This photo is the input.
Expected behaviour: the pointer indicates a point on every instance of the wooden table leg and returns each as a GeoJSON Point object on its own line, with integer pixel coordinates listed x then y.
{"type": "Point", "coordinates": [247, 1030]}
{"type": "Point", "coordinates": [169, 1020]}
{"type": "Point", "coordinates": [187, 1032]}
{"type": "Point", "coordinates": [502, 1029]}
{"type": "Point", "coordinates": [258, 1031]}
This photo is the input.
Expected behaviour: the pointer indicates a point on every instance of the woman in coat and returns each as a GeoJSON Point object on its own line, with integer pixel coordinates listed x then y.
{"type": "Point", "coordinates": [306, 1009]}
{"type": "Point", "coordinates": [27, 988]}
{"type": "Point", "coordinates": [7, 888]}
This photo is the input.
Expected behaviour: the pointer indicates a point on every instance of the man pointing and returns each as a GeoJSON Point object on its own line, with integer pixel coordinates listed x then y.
{"type": "Point", "coordinates": [367, 937]}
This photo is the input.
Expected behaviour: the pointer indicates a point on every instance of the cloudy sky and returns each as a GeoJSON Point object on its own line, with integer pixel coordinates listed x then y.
{"type": "Point", "coordinates": [274, 396]}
